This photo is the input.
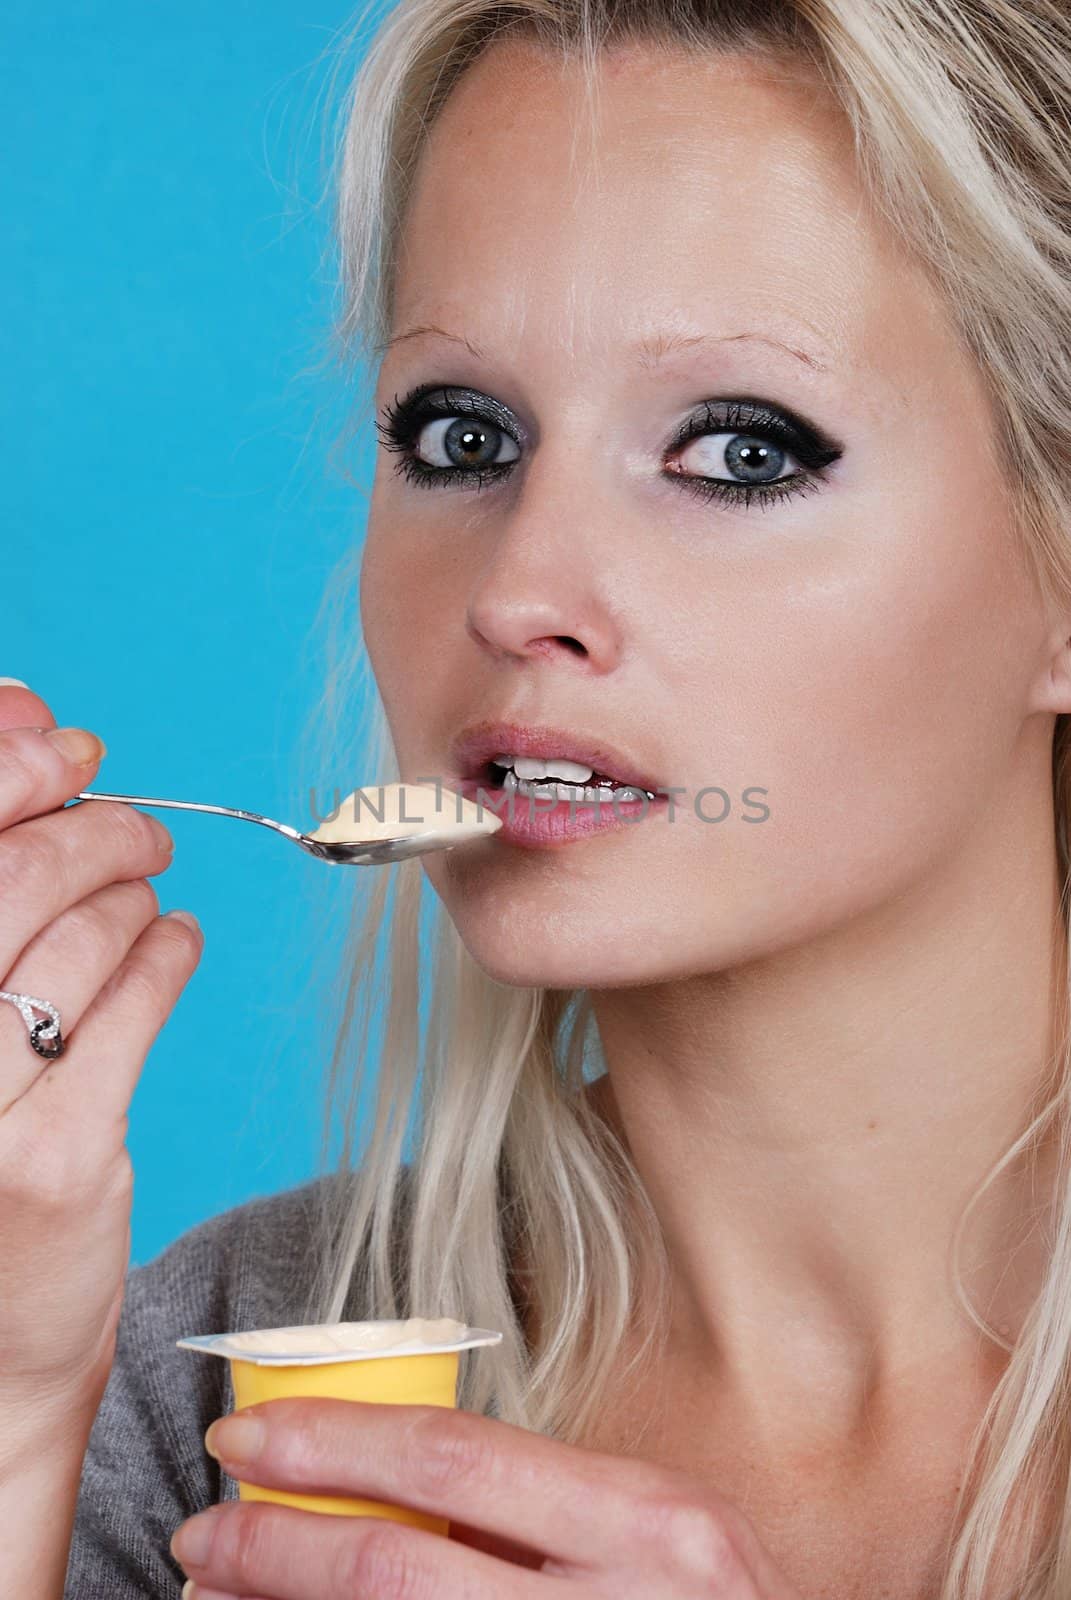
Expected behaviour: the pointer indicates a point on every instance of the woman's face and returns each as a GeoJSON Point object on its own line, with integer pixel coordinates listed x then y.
{"type": "Point", "coordinates": [848, 658]}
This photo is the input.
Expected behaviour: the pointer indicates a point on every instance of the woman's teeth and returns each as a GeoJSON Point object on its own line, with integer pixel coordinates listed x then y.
{"type": "Point", "coordinates": [528, 767]}
{"type": "Point", "coordinates": [522, 773]}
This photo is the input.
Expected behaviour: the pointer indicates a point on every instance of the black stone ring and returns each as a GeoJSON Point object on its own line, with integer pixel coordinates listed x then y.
{"type": "Point", "coordinates": [45, 1035]}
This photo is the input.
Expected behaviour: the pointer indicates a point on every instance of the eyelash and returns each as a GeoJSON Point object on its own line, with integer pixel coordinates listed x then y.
{"type": "Point", "coordinates": [405, 419]}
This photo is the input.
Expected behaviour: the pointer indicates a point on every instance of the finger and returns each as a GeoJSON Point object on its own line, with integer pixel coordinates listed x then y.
{"type": "Point", "coordinates": [90, 1086]}
{"type": "Point", "coordinates": [576, 1505]}
{"type": "Point", "coordinates": [67, 963]}
{"type": "Point", "coordinates": [36, 774]}
{"type": "Point", "coordinates": [257, 1548]}
{"type": "Point", "coordinates": [50, 863]}
{"type": "Point", "coordinates": [21, 707]}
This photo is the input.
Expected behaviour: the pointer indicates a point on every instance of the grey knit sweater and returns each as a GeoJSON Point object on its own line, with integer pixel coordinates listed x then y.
{"type": "Point", "coordinates": [146, 1469]}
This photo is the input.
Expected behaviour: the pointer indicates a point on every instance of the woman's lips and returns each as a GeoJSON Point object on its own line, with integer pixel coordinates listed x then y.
{"type": "Point", "coordinates": [473, 750]}
{"type": "Point", "coordinates": [534, 823]}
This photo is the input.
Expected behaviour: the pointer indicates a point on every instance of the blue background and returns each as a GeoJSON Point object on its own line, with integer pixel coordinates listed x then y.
{"type": "Point", "coordinates": [173, 507]}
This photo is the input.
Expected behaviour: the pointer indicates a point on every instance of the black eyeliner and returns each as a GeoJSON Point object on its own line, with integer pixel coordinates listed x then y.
{"type": "Point", "coordinates": [407, 416]}
{"type": "Point", "coordinates": [811, 446]}
{"type": "Point", "coordinates": [814, 448]}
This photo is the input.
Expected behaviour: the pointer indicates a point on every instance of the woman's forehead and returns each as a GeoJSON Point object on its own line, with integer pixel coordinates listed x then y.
{"type": "Point", "coordinates": [707, 205]}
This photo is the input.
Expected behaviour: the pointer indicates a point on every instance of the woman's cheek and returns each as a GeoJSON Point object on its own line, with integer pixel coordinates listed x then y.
{"type": "Point", "coordinates": [392, 632]}
{"type": "Point", "coordinates": [876, 776]}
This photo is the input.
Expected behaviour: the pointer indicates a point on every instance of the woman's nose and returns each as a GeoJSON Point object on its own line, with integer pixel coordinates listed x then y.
{"type": "Point", "coordinates": [524, 615]}
{"type": "Point", "coordinates": [540, 593]}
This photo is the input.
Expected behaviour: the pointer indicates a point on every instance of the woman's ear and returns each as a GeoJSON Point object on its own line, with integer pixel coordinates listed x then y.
{"type": "Point", "coordinates": [1052, 688]}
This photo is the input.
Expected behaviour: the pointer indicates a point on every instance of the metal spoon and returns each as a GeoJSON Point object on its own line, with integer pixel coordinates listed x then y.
{"type": "Point", "coordinates": [358, 853]}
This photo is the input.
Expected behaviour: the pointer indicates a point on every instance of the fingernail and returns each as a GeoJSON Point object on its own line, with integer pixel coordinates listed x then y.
{"type": "Point", "coordinates": [16, 681]}
{"type": "Point", "coordinates": [163, 835]}
{"type": "Point", "coordinates": [237, 1439]}
{"type": "Point", "coordinates": [191, 922]}
{"type": "Point", "coordinates": [191, 1543]}
{"type": "Point", "coordinates": [77, 745]}
{"type": "Point", "coordinates": [191, 1591]}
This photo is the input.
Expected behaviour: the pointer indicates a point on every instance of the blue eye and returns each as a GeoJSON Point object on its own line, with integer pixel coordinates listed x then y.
{"type": "Point", "coordinates": [447, 435]}
{"type": "Point", "coordinates": [466, 431]}
{"type": "Point", "coordinates": [751, 439]}
{"type": "Point", "coordinates": [462, 441]}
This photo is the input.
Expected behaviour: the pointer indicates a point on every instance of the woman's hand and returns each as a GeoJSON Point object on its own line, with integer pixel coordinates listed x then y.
{"type": "Point", "coordinates": [79, 927]}
{"type": "Point", "coordinates": [531, 1518]}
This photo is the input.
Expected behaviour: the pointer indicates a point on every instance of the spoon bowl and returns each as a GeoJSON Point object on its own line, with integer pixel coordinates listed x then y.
{"type": "Point", "coordinates": [377, 852]}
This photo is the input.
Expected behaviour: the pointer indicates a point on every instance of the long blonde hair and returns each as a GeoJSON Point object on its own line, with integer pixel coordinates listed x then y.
{"type": "Point", "coordinates": [961, 116]}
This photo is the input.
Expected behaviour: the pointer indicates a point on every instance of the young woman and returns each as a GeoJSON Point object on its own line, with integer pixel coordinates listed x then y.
{"type": "Point", "coordinates": [721, 374]}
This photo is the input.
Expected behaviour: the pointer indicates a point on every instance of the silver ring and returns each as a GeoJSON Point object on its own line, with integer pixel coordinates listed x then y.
{"type": "Point", "coordinates": [45, 1036]}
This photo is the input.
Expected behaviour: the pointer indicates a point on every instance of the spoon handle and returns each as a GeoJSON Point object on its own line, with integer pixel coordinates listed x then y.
{"type": "Point", "coordinates": [193, 805]}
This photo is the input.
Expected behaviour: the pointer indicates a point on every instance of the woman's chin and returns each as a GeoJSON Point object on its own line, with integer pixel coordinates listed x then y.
{"type": "Point", "coordinates": [522, 960]}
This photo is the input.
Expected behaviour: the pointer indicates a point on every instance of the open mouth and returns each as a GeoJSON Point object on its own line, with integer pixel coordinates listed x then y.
{"type": "Point", "coordinates": [562, 780]}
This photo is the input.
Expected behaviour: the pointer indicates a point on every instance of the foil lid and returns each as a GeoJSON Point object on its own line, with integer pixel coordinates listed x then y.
{"type": "Point", "coordinates": [342, 1341]}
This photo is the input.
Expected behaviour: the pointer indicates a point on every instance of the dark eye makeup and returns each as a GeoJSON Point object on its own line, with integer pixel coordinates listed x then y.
{"type": "Point", "coordinates": [758, 434]}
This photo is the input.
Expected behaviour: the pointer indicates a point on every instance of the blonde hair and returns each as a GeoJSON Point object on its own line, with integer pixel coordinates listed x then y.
{"type": "Point", "coordinates": [960, 112]}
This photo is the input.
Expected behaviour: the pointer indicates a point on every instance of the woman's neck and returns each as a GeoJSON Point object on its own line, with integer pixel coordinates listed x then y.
{"type": "Point", "coordinates": [810, 1127]}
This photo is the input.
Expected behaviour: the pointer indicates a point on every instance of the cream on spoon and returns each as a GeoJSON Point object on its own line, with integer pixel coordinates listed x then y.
{"type": "Point", "coordinates": [404, 813]}
{"type": "Point", "coordinates": [374, 826]}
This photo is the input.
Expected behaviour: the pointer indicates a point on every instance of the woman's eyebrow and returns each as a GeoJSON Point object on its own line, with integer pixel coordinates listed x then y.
{"type": "Point", "coordinates": [650, 351]}
{"type": "Point", "coordinates": [427, 327]}
{"type": "Point", "coordinates": [647, 352]}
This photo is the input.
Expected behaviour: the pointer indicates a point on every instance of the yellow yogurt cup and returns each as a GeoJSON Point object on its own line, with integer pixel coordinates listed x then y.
{"type": "Point", "coordinates": [425, 1375]}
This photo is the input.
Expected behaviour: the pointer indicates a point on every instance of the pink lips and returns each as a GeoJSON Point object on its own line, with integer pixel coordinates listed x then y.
{"type": "Point", "coordinates": [533, 824]}
{"type": "Point", "coordinates": [476, 746]}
